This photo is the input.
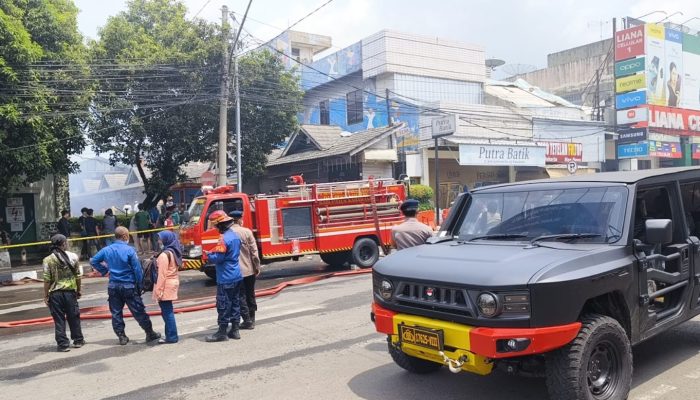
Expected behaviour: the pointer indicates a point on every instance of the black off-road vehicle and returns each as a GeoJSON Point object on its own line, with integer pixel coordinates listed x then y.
{"type": "Point", "coordinates": [555, 278]}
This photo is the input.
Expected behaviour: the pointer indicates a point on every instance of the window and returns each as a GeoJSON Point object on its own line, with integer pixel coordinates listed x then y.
{"type": "Point", "coordinates": [354, 104]}
{"type": "Point", "coordinates": [296, 53]}
{"type": "Point", "coordinates": [324, 106]}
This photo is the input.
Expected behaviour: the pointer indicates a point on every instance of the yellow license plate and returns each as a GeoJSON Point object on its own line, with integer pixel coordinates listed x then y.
{"type": "Point", "coordinates": [432, 339]}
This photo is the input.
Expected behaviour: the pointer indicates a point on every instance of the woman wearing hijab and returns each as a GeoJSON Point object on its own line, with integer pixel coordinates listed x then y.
{"type": "Point", "coordinates": [166, 286]}
{"type": "Point", "coordinates": [62, 291]}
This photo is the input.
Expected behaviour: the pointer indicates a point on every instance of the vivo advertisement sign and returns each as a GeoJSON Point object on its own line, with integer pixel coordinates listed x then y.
{"type": "Point", "coordinates": [634, 150]}
{"type": "Point", "coordinates": [631, 99]}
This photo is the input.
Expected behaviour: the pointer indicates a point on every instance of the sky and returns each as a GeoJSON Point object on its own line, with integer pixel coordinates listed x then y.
{"type": "Point", "coordinates": [520, 32]}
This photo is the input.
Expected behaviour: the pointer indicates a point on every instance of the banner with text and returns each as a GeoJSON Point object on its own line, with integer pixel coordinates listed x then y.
{"type": "Point", "coordinates": [690, 95]}
{"type": "Point", "coordinates": [629, 43]}
{"type": "Point", "coordinates": [504, 155]}
{"type": "Point", "coordinates": [672, 118]}
{"type": "Point", "coordinates": [562, 152]}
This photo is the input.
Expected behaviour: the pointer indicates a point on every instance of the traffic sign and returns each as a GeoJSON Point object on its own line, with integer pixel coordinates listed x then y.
{"type": "Point", "coordinates": [572, 167]}
{"type": "Point", "coordinates": [207, 179]}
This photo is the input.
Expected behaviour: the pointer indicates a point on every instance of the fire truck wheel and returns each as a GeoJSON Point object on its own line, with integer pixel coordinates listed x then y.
{"type": "Point", "coordinates": [336, 259]}
{"type": "Point", "coordinates": [211, 273]}
{"type": "Point", "coordinates": [365, 253]}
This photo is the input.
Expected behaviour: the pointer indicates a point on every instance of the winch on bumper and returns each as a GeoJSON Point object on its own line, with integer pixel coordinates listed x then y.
{"type": "Point", "coordinates": [463, 347]}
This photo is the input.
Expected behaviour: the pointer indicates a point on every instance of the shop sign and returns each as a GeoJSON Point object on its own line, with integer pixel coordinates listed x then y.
{"type": "Point", "coordinates": [631, 99]}
{"type": "Point", "coordinates": [633, 115]}
{"type": "Point", "coordinates": [631, 135]}
{"type": "Point", "coordinates": [562, 152]}
{"type": "Point", "coordinates": [629, 83]}
{"type": "Point", "coordinates": [633, 150]}
{"type": "Point", "coordinates": [629, 43]}
{"type": "Point", "coordinates": [486, 154]}
{"type": "Point", "coordinates": [674, 118]}
{"type": "Point", "coordinates": [14, 214]}
{"type": "Point", "coordinates": [629, 67]}
{"type": "Point", "coordinates": [665, 149]}
{"type": "Point", "coordinates": [695, 148]}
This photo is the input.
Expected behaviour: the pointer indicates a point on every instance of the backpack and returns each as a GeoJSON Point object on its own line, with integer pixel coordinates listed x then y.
{"type": "Point", "coordinates": [150, 273]}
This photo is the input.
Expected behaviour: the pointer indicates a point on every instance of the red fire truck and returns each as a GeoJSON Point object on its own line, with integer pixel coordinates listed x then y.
{"type": "Point", "coordinates": [343, 222]}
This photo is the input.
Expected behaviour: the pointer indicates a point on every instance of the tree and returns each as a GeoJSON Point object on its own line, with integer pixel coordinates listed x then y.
{"type": "Point", "coordinates": [43, 90]}
{"type": "Point", "coordinates": [159, 109]}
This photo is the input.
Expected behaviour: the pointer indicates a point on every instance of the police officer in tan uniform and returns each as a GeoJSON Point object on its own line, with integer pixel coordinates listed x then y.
{"type": "Point", "coordinates": [411, 232]}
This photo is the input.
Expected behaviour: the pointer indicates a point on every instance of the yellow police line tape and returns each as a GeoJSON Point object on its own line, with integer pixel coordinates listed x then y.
{"type": "Point", "coordinates": [14, 246]}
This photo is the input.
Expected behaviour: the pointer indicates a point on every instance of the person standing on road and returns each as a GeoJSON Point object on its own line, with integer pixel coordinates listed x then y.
{"type": "Point", "coordinates": [168, 282]}
{"type": "Point", "coordinates": [411, 232]}
{"type": "Point", "coordinates": [125, 277]}
{"type": "Point", "coordinates": [4, 236]}
{"type": "Point", "coordinates": [84, 251]}
{"type": "Point", "coordinates": [249, 262]}
{"type": "Point", "coordinates": [92, 229]}
{"type": "Point", "coordinates": [62, 291]}
{"type": "Point", "coordinates": [228, 277]}
{"type": "Point", "coordinates": [109, 224]}
{"type": "Point", "coordinates": [142, 223]}
{"type": "Point", "coordinates": [154, 223]}
{"type": "Point", "coordinates": [63, 224]}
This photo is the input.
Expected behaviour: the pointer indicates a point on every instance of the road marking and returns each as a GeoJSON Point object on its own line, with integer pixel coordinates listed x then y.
{"type": "Point", "coordinates": [658, 392]}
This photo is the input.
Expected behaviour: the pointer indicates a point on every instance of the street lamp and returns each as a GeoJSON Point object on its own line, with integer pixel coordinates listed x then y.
{"type": "Point", "coordinates": [675, 13]}
{"type": "Point", "coordinates": [653, 12]}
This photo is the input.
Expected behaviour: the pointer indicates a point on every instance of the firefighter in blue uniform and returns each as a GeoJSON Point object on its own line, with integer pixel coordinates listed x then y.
{"type": "Point", "coordinates": [228, 278]}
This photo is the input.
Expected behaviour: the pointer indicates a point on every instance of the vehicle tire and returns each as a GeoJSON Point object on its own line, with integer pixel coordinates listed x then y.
{"type": "Point", "coordinates": [365, 253]}
{"type": "Point", "coordinates": [596, 365]}
{"type": "Point", "coordinates": [211, 273]}
{"type": "Point", "coordinates": [336, 259]}
{"type": "Point", "coordinates": [412, 364]}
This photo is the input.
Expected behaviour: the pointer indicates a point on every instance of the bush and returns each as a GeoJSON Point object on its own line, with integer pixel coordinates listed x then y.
{"type": "Point", "coordinates": [424, 194]}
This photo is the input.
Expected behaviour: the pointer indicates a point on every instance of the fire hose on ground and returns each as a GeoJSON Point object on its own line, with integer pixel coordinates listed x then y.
{"type": "Point", "coordinates": [99, 311]}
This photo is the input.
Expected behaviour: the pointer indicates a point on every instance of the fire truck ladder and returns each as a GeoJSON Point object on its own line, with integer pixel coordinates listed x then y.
{"type": "Point", "coordinates": [337, 190]}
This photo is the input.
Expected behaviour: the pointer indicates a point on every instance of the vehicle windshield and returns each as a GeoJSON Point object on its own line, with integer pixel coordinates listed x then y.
{"type": "Point", "coordinates": [195, 210]}
{"type": "Point", "coordinates": [593, 215]}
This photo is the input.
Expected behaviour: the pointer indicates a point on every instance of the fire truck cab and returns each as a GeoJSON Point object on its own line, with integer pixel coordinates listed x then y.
{"type": "Point", "coordinates": [343, 222]}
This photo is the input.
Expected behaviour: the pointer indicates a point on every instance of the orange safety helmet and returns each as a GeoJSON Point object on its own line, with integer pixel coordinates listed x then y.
{"type": "Point", "coordinates": [218, 217]}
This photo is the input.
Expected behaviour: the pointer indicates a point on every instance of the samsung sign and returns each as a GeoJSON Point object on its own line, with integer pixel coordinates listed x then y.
{"type": "Point", "coordinates": [629, 67]}
{"type": "Point", "coordinates": [631, 135]}
{"type": "Point", "coordinates": [631, 99]}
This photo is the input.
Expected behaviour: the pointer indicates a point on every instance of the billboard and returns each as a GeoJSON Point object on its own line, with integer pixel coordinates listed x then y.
{"type": "Point", "coordinates": [632, 115]}
{"type": "Point", "coordinates": [631, 135]}
{"type": "Point", "coordinates": [674, 65]}
{"type": "Point", "coordinates": [629, 83]}
{"type": "Point", "coordinates": [629, 43]}
{"type": "Point", "coordinates": [690, 95]}
{"type": "Point", "coordinates": [487, 154]}
{"type": "Point", "coordinates": [656, 66]}
{"type": "Point", "coordinates": [633, 150]}
{"type": "Point", "coordinates": [629, 67]}
{"type": "Point", "coordinates": [665, 149]}
{"type": "Point", "coordinates": [695, 151]}
{"type": "Point", "coordinates": [674, 118]}
{"type": "Point", "coordinates": [631, 99]}
{"type": "Point", "coordinates": [563, 152]}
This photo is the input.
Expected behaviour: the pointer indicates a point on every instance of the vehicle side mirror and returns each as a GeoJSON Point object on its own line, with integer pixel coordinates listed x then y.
{"type": "Point", "coordinates": [186, 216]}
{"type": "Point", "coordinates": [659, 231]}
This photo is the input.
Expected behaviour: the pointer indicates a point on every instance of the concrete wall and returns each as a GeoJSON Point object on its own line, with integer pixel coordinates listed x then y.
{"type": "Point", "coordinates": [390, 51]}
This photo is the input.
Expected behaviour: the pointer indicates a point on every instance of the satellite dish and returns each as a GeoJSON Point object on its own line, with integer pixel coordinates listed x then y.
{"type": "Point", "coordinates": [494, 62]}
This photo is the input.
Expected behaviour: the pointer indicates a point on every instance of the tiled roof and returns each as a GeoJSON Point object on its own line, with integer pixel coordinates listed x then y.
{"type": "Point", "coordinates": [113, 181]}
{"type": "Point", "coordinates": [324, 135]}
{"type": "Point", "coordinates": [91, 185]}
{"type": "Point", "coordinates": [194, 170]}
{"type": "Point", "coordinates": [340, 145]}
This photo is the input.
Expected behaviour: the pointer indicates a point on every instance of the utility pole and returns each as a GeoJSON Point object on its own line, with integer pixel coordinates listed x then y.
{"type": "Point", "coordinates": [223, 105]}
{"type": "Point", "coordinates": [597, 94]}
{"type": "Point", "coordinates": [239, 164]}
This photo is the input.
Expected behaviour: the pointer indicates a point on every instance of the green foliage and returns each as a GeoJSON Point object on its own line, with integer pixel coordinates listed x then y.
{"type": "Point", "coordinates": [424, 194]}
{"type": "Point", "coordinates": [41, 100]}
{"type": "Point", "coordinates": [162, 112]}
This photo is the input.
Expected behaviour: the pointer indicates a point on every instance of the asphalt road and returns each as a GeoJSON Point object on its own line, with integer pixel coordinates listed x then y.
{"type": "Point", "coordinates": [311, 342]}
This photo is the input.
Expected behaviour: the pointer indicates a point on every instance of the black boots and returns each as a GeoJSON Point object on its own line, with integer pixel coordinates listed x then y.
{"type": "Point", "coordinates": [151, 335]}
{"type": "Point", "coordinates": [248, 321]}
{"type": "Point", "coordinates": [123, 339]}
{"type": "Point", "coordinates": [233, 332]}
{"type": "Point", "coordinates": [219, 336]}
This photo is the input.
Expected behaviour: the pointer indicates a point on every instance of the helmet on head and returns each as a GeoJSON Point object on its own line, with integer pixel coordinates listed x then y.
{"type": "Point", "coordinates": [218, 217]}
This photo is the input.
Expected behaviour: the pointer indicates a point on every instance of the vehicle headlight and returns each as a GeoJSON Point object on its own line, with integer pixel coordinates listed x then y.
{"type": "Point", "coordinates": [386, 289]}
{"type": "Point", "coordinates": [487, 303]}
{"type": "Point", "coordinates": [195, 251]}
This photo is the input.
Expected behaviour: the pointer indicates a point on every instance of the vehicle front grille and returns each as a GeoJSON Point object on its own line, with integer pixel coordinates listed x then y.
{"type": "Point", "coordinates": [435, 297]}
